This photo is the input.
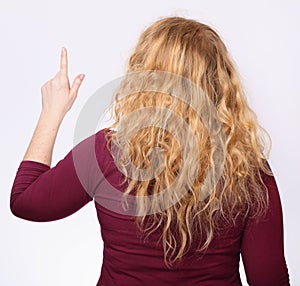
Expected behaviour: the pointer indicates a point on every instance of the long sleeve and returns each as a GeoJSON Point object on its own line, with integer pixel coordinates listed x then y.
{"type": "Point", "coordinates": [263, 244]}
{"type": "Point", "coordinates": [40, 193]}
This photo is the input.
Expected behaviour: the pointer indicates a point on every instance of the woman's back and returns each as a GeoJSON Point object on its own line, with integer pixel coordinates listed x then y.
{"type": "Point", "coordinates": [128, 259]}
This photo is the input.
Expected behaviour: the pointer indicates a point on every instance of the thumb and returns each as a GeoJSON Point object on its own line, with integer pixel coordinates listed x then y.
{"type": "Point", "coordinates": [76, 85]}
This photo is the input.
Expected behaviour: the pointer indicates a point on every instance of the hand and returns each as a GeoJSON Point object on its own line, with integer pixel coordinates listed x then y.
{"type": "Point", "coordinates": [57, 95]}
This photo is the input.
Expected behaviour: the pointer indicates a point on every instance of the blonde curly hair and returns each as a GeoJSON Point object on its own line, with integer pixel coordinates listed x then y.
{"type": "Point", "coordinates": [194, 51]}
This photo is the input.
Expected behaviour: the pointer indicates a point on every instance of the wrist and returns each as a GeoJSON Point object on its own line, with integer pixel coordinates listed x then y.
{"type": "Point", "coordinates": [51, 118]}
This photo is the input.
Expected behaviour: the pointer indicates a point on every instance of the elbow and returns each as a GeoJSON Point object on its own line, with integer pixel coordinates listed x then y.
{"type": "Point", "coordinates": [13, 207]}
{"type": "Point", "coordinates": [21, 209]}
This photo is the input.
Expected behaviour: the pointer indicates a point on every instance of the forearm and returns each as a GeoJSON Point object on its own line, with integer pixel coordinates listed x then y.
{"type": "Point", "coordinates": [40, 148]}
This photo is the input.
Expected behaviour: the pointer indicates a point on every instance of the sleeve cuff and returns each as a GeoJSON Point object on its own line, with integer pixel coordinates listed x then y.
{"type": "Point", "coordinates": [34, 164]}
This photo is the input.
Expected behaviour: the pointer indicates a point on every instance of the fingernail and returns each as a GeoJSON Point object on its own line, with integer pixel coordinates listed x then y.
{"type": "Point", "coordinates": [81, 76]}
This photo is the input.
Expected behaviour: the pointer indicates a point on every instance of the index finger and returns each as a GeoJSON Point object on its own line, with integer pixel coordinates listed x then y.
{"type": "Point", "coordinates": [64, 61]}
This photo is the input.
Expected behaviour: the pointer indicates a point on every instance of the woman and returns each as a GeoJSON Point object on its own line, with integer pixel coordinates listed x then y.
{"type": "Point", "coordinates": [209, 195]}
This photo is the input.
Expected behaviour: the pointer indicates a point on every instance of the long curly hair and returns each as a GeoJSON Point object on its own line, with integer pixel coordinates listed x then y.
{"type": "Point", "coordinates": [183, 140]}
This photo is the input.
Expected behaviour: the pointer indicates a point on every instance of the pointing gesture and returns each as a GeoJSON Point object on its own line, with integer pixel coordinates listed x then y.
{"type": "Point", "coordinates": [64, 62]}
{"type": "Point", "coordinates": [57, 95]}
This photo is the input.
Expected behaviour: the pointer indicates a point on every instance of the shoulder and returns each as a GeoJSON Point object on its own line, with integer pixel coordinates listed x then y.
{"type": "Point", "coordinates": [101, 148]}
{"type": "Point", "coordinates": [93, 146]}
{"type": "Point", "coordinates": [274, 207]}
{"type": "Point", "coordinates": [101, 138]}
{"type": "Point", "coordinates": [268, 178]}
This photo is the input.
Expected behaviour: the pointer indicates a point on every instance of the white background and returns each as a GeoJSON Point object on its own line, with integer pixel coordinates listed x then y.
{"type": "Point", "coordinates": [263, 38]}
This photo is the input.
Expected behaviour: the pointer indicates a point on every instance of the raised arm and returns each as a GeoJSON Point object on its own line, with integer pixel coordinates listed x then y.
{"type": "Point", "coordinates": [41, 193]}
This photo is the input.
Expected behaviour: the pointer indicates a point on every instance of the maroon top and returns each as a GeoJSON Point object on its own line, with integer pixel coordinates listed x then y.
{"type": "Point", "coordinates": [41, 193]}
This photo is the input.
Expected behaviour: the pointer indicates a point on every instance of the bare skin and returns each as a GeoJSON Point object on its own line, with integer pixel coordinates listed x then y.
{"type": "Point", "coordinates": [57, 99]}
